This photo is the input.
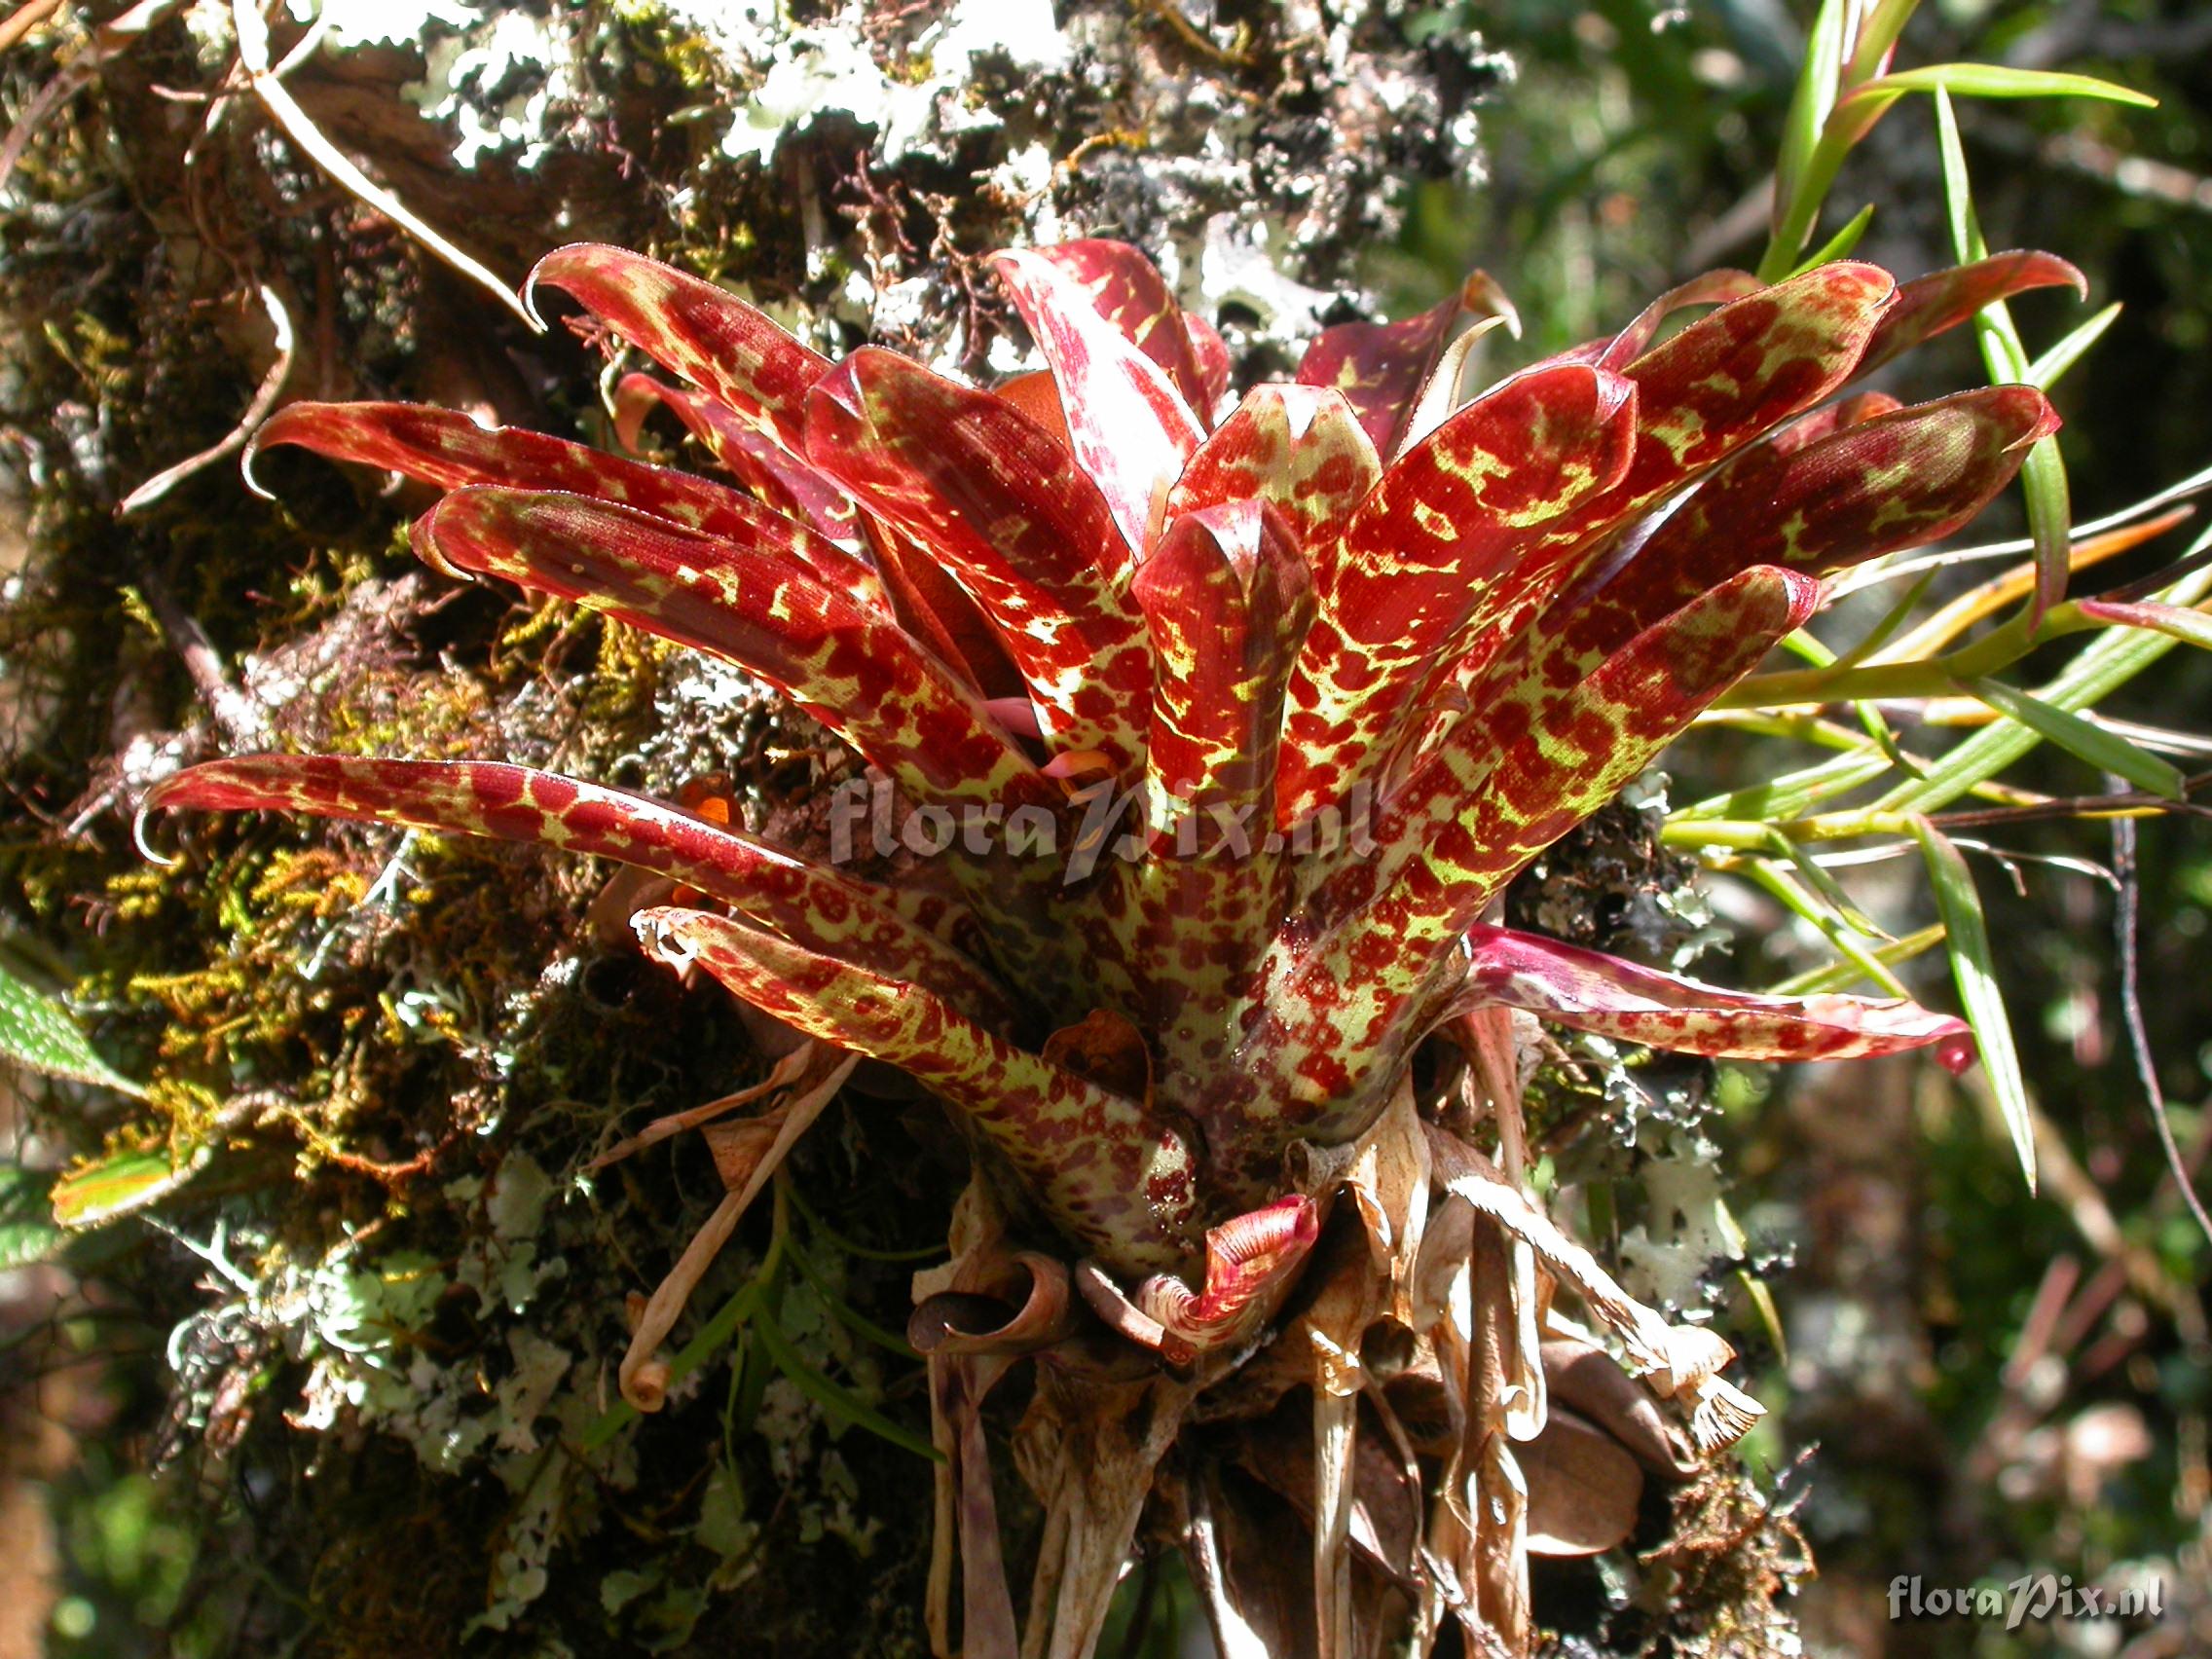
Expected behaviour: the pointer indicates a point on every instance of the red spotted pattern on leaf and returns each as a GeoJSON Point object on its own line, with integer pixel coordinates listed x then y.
{"type": "Point", "coordinates": [875, 927]}
{"type": "Point", "coordinates": [1594, 992]}
{"type": "Point", "coordinates": [1297, 447]}
{"type": "Point", "coordinates": [1379, 368]}
{"type": "Point", "coordinates": [1931, 305]}
{"type": "Point", "coordinates": [1115, 1180]}
{"type": "Point", "coordinates": [1447, 526]}
{"type": "Point", "coordinates": [843, 661]}
{"type": "Point", "coordinates": [1064, 607]}
{"type": "Point", "coordinates": [1250, 1260]}
{"type": "Point", "coordinates": [1129, 425]}
{"type": "Point", "coordinates": [437, 446]}
{"type": "Point", "coordinates": [776, 477]}
{"type": "Point", "coordinates": [1126, 290]}
{"type": "Point", "coordinates": [980, 486]}
{"type": "Point", "coordinates": [1470, 817]}
{"type": "Point", "coordinates": [723, 346]}
{"type": "Point", "coordinates": [1228, 601]}
{"type": "Point", "coordinates": [1889, 482]}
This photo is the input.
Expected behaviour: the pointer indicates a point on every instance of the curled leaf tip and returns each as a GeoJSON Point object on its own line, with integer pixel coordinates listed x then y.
{"type": "Point", "coordinates": [1955, 1051]}
{"type": "Point", "coordinates": [645, 1386]}
{"type": "Point", "coordinates": [247, 457]}
{"type": "Point", "coordinates": [564, 254]}
{"type": "Point", "coordinates": [147, 807]}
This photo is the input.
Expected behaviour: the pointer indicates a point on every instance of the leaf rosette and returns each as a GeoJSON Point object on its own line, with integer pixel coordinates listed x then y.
{"type": "Point", "coordinates": [1243, 715]}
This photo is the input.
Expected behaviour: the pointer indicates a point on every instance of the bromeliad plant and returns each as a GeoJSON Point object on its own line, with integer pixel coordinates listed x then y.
{"type": "Point", "coordinates": [1230, 732]}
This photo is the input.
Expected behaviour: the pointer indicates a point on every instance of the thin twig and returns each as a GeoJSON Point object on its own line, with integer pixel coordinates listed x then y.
{"type": "Point", "coordinates": [24, 18]}
{"type": "Point", "coordinates": [236, 715]}
{"type": "Point", "coordinates": [253, 52]}
{"type": "Point", "coordinates": [264, 399]}
{"type": "Point", "coordinates": [2131, 1013]}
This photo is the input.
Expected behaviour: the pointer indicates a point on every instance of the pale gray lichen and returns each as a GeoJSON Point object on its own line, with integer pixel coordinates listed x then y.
{"type": "Point", "coordinates": [827, 68]}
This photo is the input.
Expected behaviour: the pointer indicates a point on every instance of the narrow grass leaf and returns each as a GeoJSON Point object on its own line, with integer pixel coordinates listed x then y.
{"type": "Point", "coordinates": [1995, 81]}
{"type": "Point", "coordinates": [1839, 245]}
{"type": "Point", "coordinates": [1973, 968]}
{"type": "Point", "coordinates": [1825, 920]}
{"type": "Point", "coordinates": [1809, 103]}
{"type": "Point", "coordinates": [2045, 371]}
{"type": "Point", "coordinates": [2102, 749]}
{"type": "Point", "coordinates": [1794, 794]}
{"type": "Point", "coordinates": [840, 1402]}
{"type": "Point", "coordinates": [1841, 975]}
{"type": "Point", "coordinates": [2043, 474]}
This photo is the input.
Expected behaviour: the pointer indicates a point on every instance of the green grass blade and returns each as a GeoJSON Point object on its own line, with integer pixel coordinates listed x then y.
{"type": "Point", "coordinates": [1828, 921]}
{"type": "Point", "coordinates": [2106, 751]}
{"type": "Point", "coordinates": [837, 1401]}
{"type": "Point", "coordinates": [1839, 245]}
{"type": "Point", "coordinates": [1794, 794]}
{"type": "Point", "coordinates": [2042, 475]}
{"type": "Point", "coordinates": [1958, 189]}
{"type": "Point", "coordinates": [2055, 361]}
{"type": "Point", "coordinates": [1886, 629]}
{"type": "Point", "coordinates": [1876, 35]}
{"type": "Point", "coordinates": [1831, 892]}
{"type": "Point", "coordinates": [1995, 81]}
{"type": "Point", "coordinates": [1810, 101]}
{"type": "Point", "coordinates": [1973, 968]}
{"type": "Point", "coordinates": [1842, 976]}
{"type": "Point", "coordinates": [2107, 663]}
{"type": "Point", "coordinates": [840, 1309]}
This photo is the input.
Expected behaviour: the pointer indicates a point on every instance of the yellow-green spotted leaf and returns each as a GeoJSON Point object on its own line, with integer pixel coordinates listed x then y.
{"type": "Point", "coordinates": [36, 1032]}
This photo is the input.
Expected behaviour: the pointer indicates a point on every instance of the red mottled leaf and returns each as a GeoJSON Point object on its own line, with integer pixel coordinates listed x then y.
{"type": "Point", "coordinates": [879, 928]}
{"type": "Point", "coordinates": [1120, 1183]}
{"type": "Point", "coordinates": [1211, 354]}
{"type": "Point", "coordinates": [844, 661]}
{"type": "Point", "coordinates": [1715, 287]}
{"type": "Point", "coordinates": [1595, 992]}
{"type": "Point", "coordinates": [1894, 481]}
{"type": "Point", "coordinates": [983, 488]}
{"type": "Point", "coordinates": [1834, 418]}
{"type": "Point", "coordinates": [937, 612]}
{"type": "Point", "coordinates": [1250, 1260]}
{"type": "Point", "coordinates": [1037, 395]}
{"type": "Point", "coordinates": [716, 341]}
{"type": "Point", "coordinates": [1449, 519]}
{"type": "Point", "coordinates": [1129, 426]}
{"type": "Point", "coordinates": [1227, 599]}
{"type": "Point", "coordinates": [1298, 447]}
{"type": "Point", "coordinates": [440, 447]}
{"type": "Point", "coordinates": [1930, 305]}
{"type": "Point", "coordinates": [1381, 367]}
{"type": "Point", "coordinates": [1126, 288]}
{"type": "Point", "coordinates": [1342, 1010]}
{"type": "Point", "coordinates": [1704, 394]}
{"type": "Point", "coordinates": [771, 471]}
{"type": "Point", "coordinates": [1749, 366]}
